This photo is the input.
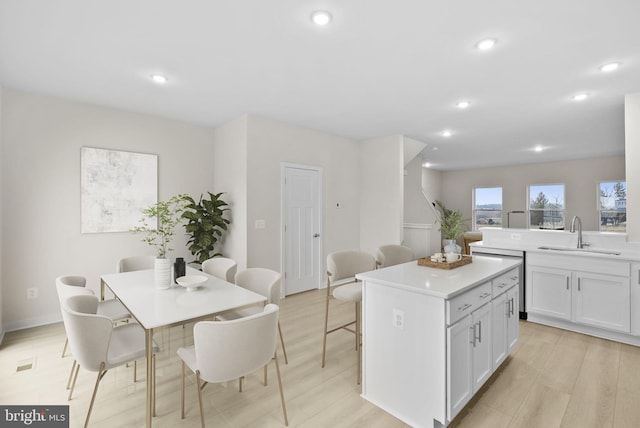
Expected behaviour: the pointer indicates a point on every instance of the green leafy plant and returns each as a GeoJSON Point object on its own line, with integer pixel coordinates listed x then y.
{"type": "Point", "coordinates": [159, 221]}
{"type": "Point", "coordinates": [452, 225]}
{"type": "Point", "coordinates": [205, 224]}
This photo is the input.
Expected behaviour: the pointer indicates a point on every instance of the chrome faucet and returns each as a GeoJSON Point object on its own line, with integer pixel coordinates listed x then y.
{"type": "Point", "coordinates": [573, 229]}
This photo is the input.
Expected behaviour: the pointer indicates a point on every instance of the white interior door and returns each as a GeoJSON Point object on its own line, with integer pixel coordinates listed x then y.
{"type": "Point", "coordinates": [302, 235]}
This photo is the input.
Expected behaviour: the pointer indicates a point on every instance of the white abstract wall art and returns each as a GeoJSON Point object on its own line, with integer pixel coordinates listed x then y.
{"type": "Point", "coordinates": [115, 187]}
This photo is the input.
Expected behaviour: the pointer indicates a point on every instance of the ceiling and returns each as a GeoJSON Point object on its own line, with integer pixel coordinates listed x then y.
{"type": "Point", "coordinates": [379, 68]}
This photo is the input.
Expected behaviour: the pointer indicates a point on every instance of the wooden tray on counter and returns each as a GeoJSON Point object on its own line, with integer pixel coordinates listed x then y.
{"type": "Point", "coordinates": [426, 261]}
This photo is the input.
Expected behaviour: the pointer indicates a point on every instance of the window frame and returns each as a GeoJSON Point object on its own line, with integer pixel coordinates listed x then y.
{"type": "Point", "coordinates": [531, 210]}
{"type": "Point", "coordinates": [475, 210]}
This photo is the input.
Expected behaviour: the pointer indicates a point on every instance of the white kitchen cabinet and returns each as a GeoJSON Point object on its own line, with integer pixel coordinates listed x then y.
{"type": "Point", "coordinates": [481, 346]}
{"type": "Point", "coordinates": [634, 292]}
{"type": "Point", "coordinates": [602, 301]}
{"type": "Point", "coordinates": [549, 292]}
{"type": "Point", "coordinates": [504, 324]}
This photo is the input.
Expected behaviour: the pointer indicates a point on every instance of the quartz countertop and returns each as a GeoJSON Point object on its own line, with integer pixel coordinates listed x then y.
{"type": "Point", "coordinates": [443, 283]}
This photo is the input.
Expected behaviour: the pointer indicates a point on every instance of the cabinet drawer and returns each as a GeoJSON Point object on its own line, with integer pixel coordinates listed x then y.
{"type": "Point", "coordinates": [466, 303]}
{"type": "Point", "coordinates": [505, 281]}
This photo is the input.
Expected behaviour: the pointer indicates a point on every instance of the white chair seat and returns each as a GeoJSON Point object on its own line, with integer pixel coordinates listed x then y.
{"type": "Point", "coordinates": [349, 292]}
{"type": "Point", "coordinates": [240, 314]}
{"type": "Point", "coordinates": [188, 355]}
{"type": "Point", "coordinates": [127, 344]}
{"type": "Point", "coordinates": [113, 309]}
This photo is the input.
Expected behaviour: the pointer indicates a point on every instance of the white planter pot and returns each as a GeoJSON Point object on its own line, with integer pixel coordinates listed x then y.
{"type": "Point", "coordinates": [162, 273]}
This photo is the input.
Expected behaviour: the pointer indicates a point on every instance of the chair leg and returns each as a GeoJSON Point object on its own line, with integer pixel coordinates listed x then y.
{"type": "Point", "coordinates": [153, 370]}
{"type": "Point", "coordinates": [200, 397]}
{"type": "Point", "coordinates": [284, 407]}
{"type": "Point", "coordinates": [73, 382]}
{"type": "Point", "coordinates": [182, 394]}
{"type": "Point", "coordinates": [358, 345]}
{"type": "Point", "coordinates": [284, 350]}
{"type": "Point", "coordinates": [101, 374]}
{"type": "Point", "coordinates": [71, 374]}
{"type": "Point", "coordinates": [265, 375]}
{"type": "Point", "coordinates": [135, 370]}
{"type": "Point", "coordinates": [64, 350]}
{"type": "Point", "coordinates": [326, 325]}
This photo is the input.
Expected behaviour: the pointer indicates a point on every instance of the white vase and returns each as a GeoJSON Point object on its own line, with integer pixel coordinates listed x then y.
{"type": "Point", "coordinates": [162, 273]}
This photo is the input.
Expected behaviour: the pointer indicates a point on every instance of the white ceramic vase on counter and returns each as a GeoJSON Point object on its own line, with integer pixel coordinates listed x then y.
{"type": "Point", "coordinates": [162, 273]}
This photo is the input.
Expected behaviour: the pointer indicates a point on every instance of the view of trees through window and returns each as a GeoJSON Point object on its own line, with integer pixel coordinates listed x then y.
{"type": "Point", "coordinates": [487, 208]}
{"type": "Point", "coordinates": [613, 206]}
{"type": "Point", "coordinates": [546, 206]}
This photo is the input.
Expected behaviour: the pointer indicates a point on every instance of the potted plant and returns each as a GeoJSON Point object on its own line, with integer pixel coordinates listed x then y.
{"type": "Point", "coordinates": [205, 224]}
{"type": "Point", "coordinates": [452, 227]}
{"type": "Point", "coordinates": [158, 223]}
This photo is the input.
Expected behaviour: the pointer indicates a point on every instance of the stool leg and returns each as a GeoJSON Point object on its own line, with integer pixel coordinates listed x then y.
{"type": "Point", "coordinates": [358, 333]}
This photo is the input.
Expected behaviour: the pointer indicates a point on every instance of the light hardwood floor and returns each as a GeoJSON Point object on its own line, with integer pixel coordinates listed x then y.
{"type": "Point", "coordinates": [554, 378]}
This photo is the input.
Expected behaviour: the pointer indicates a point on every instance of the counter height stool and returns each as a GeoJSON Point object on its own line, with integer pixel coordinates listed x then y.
{"type": "Point", "coordinates": [389, 255]}
{"type": "Point", "coordinates": [344, 265]}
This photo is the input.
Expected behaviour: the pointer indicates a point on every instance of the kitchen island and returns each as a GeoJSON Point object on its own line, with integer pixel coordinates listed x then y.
{"type": "Point", "coordinates": [432, 337]}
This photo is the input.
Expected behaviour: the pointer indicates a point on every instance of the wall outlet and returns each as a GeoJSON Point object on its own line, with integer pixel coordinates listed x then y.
{"type": "Point", "coordinates": [398, 319]}
{"type": "Point", "coordinates": [260, 224]}
{"type": "Point", "coordinates": [32, 293]}
{"type": "Point", "coordinates": [516, 236]}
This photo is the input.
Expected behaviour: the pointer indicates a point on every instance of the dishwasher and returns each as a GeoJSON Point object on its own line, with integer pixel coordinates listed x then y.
{"type": "Point", "coordinates": [480, 251]}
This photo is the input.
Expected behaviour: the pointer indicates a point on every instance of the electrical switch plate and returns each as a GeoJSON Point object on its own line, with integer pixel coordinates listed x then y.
{"type": "Point", "coordinates": [260, 224]}
{"type": "Point", "coordinates": [398, 319]}
{"type": "Point", "coordinates": [515, 236]}
{"type": "Point", "coordinates": [32, 293]}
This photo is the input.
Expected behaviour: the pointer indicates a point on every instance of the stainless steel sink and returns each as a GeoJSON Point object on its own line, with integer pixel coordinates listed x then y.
{"type": "Point", "coordinates": [581, 250]}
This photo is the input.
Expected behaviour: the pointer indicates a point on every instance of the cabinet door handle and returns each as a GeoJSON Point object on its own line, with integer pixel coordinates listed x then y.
{"type": "Point", "coordinates": [508, 308]}
{"type": "Point", "coordinates": [578, 284]}
{"type": "Point", "coordinates": [480, 331]}
{"type": "Point", "coordinates": [567, 283]}
{"type": "Point", "coordinates": [472, 329]}
{"type": "Point", "coordinates": [638, 276]}
{"type": "Point", "coordinates": [485, 295]}
{"type": "Point", "coordinates": [511, 307]}
{"type": "Point", "coordinates": [464, 307]}
{"type": "Point", "coordinates": [503, 284]}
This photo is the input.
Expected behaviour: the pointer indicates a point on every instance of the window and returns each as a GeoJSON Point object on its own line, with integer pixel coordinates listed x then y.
{"type": "Point", "coordinates": [487, 207]}
{"type": "Point", "coordinates": [546, 206]}
{"type": "Point", "coordinates": [613, 206]}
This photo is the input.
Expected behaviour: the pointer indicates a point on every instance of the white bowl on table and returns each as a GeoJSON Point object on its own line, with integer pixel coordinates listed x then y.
{"type": "Point", "coordinates": [191, 282]}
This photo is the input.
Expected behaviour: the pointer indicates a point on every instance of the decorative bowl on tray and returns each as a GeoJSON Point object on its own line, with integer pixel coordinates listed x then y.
{"type": "Point", "coordinates": [191, 282]}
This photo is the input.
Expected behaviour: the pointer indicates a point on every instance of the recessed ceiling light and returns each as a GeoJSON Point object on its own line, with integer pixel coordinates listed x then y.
{"type": "Point", "coordinates": [321, 17]}
{"type": "Point", "coordinates": [463, 104]}
{"type": "Point", "coordinates": [610, 67]}
{"type": "Point", "coordinates": [159, 78]}
{"type": "Point", "coordinates": [426, 164]}
{"type": "Point", "coordinates": [538, 148]}
{"type": "Point", "coordinates": [447, 133]}
{"type": "Point", "coordinates": [486, 44]}
{"type": "Point", "coordinates": [435, 148]}
{"type": "Point", "coordinates": [580, 97]}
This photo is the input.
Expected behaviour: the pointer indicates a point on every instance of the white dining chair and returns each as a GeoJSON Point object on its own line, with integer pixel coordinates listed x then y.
{"type": "Point", "coordinates": [227, 350]}
{"type": "Point", "coordinates": [130, 264]}
{"type": "Point", "coordinates": [344, 265]}
{"type": "Point", "coordinates": [389, 255]}
{"type": "Point", "coordinates": [96, 344]}
{"type": "Point", "coordinates": [265, 282]}
{"type": "Point", "coordinates": [221, 267]}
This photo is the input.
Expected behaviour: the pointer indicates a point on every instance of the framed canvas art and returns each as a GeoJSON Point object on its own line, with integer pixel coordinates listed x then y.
{"type": "Point", "coordinates": [115, 187]}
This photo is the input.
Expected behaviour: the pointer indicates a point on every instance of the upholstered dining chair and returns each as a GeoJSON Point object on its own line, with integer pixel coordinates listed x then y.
{"type": "Point", "coordinates": [265, 282]}
{"type": "Point", "coordinates": [96, 344]}
{"type": "Point", "coordinates": [389, 255]}
{"type": "Point", "coordinates": [344, 265]}
{"type": "Point", "coordinates": [227, 350]}
{"type": "Point", "coordinates": [130, 264]}
{"type": "Point", "coordinates": [221, 267]}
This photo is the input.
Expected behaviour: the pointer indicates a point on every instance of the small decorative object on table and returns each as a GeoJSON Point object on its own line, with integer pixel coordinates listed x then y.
{"type": "Point", "coordinates": [191, 282]}
{"type": "Point", "coordinates": [179, 268]}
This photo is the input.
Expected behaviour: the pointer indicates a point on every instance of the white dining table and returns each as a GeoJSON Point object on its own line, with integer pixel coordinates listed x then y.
{"type": "Point", "coordinates": [153, 308]}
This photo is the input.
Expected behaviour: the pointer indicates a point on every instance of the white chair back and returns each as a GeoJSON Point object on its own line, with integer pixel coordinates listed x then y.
{"type": "Point", "coordinates": [227, 350]}
{"type": "Point", "coordinates": [130, 264]}
{"type": "Point", "coordinates": [89, 334]}
{"type": "Point", "coordinates": [221, 267]}
{"type": "Point", "coordinates": [71, 285]}
{"type": "Point", "coordinates": [347, 263]}
{"type": "Point", "coordinates": [262, 281]}
{"type": "Point", "coordinates": [389, 255]}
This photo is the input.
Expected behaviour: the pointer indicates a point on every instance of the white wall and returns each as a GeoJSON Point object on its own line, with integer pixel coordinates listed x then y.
{"type": "Point", "coordinates": [432, 185]}
{"type": "Point", "coordinates": [416, 209]}
{"type": "Point", "coordinates": [580, 177]}
{"type": "Point", "coordinates": [230, 176]}
{"type": "Point", "coordinates": [1, 212]}
{"type": "Point", "coordinates": [269, 144]}
{"type": "Point", "coordinates": [41, 239]}
{"type": "Point", "coordinates": [381, 192]}
{"type": "Point", "coordinates": [632, 156]}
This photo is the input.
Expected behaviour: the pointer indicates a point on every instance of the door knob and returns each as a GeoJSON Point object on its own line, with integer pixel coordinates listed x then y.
{"type": "Point", "coordinates": [315, 235]}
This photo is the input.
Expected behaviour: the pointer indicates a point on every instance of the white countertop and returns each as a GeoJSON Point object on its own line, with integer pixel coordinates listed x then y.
{"type": "Point", "coordinates": [442, 283]}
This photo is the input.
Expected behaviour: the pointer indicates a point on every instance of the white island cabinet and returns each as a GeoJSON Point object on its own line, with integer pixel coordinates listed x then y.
{"type": "Point", "coordinates": [428, 335]}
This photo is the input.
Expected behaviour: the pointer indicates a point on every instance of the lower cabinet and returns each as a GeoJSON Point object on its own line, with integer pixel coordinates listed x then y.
{"type": "Point", "coordinates": [549, 292]}
{"type": "Point", "coordinates": [469, 347]}
{"type": "Point", "coordinates": [602, 301]}
{"type": "Point", "coordinates": [504, 325]}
